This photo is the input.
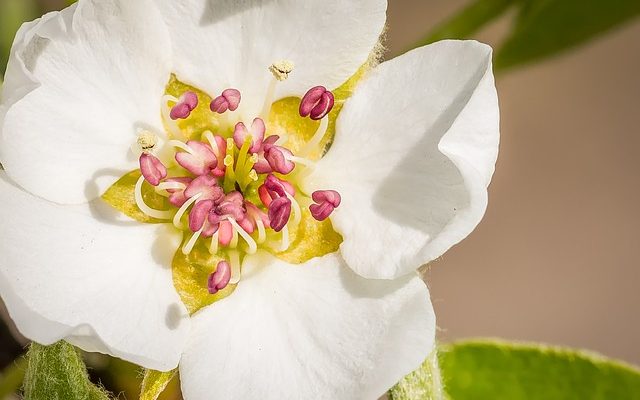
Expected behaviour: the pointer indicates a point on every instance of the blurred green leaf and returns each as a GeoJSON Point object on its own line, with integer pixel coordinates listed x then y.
{"type": "Point", "coordinates": [11, 377]}
{"type": "Point", "coordinates": [546, 27]}
{"type": "Point", "coordinates": [12, 14]}
{"type": "Point", "coordinates": [468, 21]}
{"type": "Point", "coordinates": [57, 372]}
{"type": "Point", "coordinates": [489, 370]}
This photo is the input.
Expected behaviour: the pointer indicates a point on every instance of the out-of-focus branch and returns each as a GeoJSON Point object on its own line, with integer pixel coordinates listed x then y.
{"type": "Point", "coordinates": [11, 378]}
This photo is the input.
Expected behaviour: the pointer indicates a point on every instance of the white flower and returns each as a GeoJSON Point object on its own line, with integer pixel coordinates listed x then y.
{"type": "Point", "coordinates": [403, 181]}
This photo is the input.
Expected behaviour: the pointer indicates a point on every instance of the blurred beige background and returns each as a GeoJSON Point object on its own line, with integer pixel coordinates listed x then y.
{"type": "Point", "coordinates": [556, 258]}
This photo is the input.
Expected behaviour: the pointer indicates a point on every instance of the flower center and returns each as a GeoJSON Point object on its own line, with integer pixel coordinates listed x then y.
{"type": "Point", "coordinates": [234, 186]}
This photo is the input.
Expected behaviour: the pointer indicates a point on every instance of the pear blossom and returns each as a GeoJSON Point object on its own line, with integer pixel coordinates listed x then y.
{"type": "Point", "coordinates": [141, 137]}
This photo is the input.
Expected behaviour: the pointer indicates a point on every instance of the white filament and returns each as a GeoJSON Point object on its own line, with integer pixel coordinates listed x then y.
{"type": "Point", "coordinates": [213, 247]}
{"type": "Point", "coordinates": [234, 260]}
{"type": "Point", "coordinates": [262, 235]}
{"type": "Point", "coordinates": [297, 211]}
{"type": "Point", "coordinates": [301, 160]}
{"type": "Point", "coordinates": [162, 188]}
{"type": "Point", "coordinates": [177, 218]}
{"type": "Point", "coordinates": [212, 142]}
{"type": "Point", "coordinates": [166, 116]}
{"type": "Point", "coordinates": [182, 146]}
{"type": "Point", "coordinates": [152, 212]}
{"type": "Point", "coordinates": [234, 239]}
{"type": "Point", "coordinates": [253, 247]}
{"type": "Point", "coordinates": [171, 186]}
{"type": "Point", "coordinates": [186, 249]}
{"type": "Point", "coordinates": [268, 100]}
{"type": "Point", "coordinates": [317, 137]}
{"type": "Point", "coordinates": [284, 243]}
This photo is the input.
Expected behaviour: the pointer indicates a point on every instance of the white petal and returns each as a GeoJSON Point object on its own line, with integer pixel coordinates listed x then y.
{"type": "Point", "coordinates": [414, 153]}
{"type": "Point", "coordinates": [81, 273]}
{"type": "Point", "coordinates": [311, 331]}
{"type": "Point", "coordinates": [78, 85]}
{"type": "Point", "coordinates": [228, 43]}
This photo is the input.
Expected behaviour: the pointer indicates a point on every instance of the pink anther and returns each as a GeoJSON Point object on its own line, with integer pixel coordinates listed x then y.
{"type": "Point", "coordinates": [152, 169]}
{"type": "Point", "coordinates": [316, 103]}
{"type": "Point", "coordinates": [256, 214]}
{"type": "Point", "coordinates": [199, 213]}
{"type": "Point", "coordinates": [185, 105]}
{"type": "Point", "coordinates": [278, 159]}
{"type": "Point", "coordinates": [207, 187]}
{"type": "Point", "coordinates": [228, 100]}
{"type": "Point", "coordinates": [201, 162]}
{"type": "Point", "coordinates": [225, 233]}
{"type": "Point", "coordinates": [257, 134]}
{"type": "Point", "coordinates": [232, 206]}
{"type": "Point", "coordinates": [248, 225]}
{"type": "Point", "coordinates": [279, 213]}
{"type": "Point", "coordinates": [219, 150]}
{"type": "Point", "coordinates": [177, 196]}
{"type": "Point", "coordinates": [220, 278]}
{"type": "Point", "coordinates": [262, 165]}
{"type": "Point", "coordinates": [274, 188]}
{"type": "Point", "coordinates": [327, 201]}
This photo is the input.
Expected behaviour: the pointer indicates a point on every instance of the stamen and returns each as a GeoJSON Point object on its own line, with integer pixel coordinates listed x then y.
{"type": "Point", "coordinates": [146, 141]}
{"type": "Point", "coordinates": [279, 159]}
{"type": "Point", "coordinates": [152, 212]}
{"type": "Point", "coordinates": [177, 219]}
{"type": "Point", "coordinates": [279, 213]}
{"type": "Point", "coordinates": [199, 213]}
{"type": "Point", "coordinates": [184, 106]}
{"type": "Point", "coordinates": [304, 161]}
{"type": "Point", "coordinates": [228, 100]}
{"type": "Point", "coordinates": [284, 243]}
{"type": "Point", "coordinates": [163, 187]}
{"type": "Point", "coordinates": [186, 249]}
{"type": "Point", "coordinates": [316, 103]}
{"type": "Point", "coordinates": [152, 169]}
{"type": "Point", "coordinates": [234, 260]}
{"type": "Point", "coordinates": [327, 200]}
{"type": "Point", "coordinates": [280, 71]}
{"type": "Point", "coordinates": [256, 134]}
{"type": "Point", "coordinates": [316, 139]}
{"type": "Point", "coordinates": [253, 247]}
{"type": "Point", "coordinates": [219, 279]}
{"type": "Point", "coordinates": [262, 234]}
{"type": "Point", "coordinates": [182, 146]}
{"type": "Point", "coordinates": [234, 239]}
{"type": "Point", "coordinates": [297, 211]}
{"type": "Point", "coordinates": [213, 247]}
{"type": "Point", "coordinates": [174, 129]}
{"type": "Point", "coordinates": [201, 160]}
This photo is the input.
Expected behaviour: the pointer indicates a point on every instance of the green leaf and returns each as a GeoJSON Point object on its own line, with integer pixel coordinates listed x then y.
{"type": "Point", "coordinates": [546, 27]}
{"type": "Point", "coordinates": [422, 384]}
{"type": "Point", "coordinates": [57, 372]}
{"type": "Point", "coordinates": [154, 383]}
{"type": "Point", "coordinates": [468, 21]}
{"type": "Point", "coordinates": [493, 370]}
